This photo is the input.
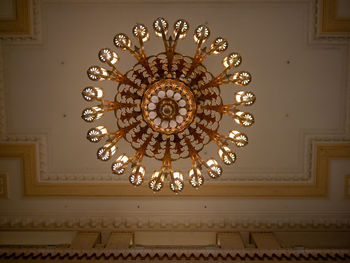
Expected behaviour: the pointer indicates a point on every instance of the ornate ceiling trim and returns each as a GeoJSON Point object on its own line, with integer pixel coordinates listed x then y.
{"type": "Point", "coordinates": [21, 23]}
{"type": "Point", "coordinates": [25, 27]}
{"type": "Point", "coordinates": [331, 23]}
{"type": "Point", "coordinates": [27, 154]}
{"type": "Point", "coordinates": [3, 186]}
{"type": "Point", "coordinates": [165, 254]}
{"type": "Point", "coordinates": [347, 186]}
{"type": "Point", "coordinates": [318, 188]}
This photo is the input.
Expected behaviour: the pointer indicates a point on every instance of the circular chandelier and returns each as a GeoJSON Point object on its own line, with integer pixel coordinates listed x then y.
{"type": "Point", "coordinates": [168, 106]}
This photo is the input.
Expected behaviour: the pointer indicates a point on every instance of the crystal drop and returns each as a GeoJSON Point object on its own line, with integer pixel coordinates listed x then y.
{"type": "Point", "coordinates": [177, 96]}
{"type": "Point", "coordinates": [157, 121]}
{"type": "Point", "coordinates": [152, 114]}
{"type": "Point", "coordinates": [169, 93]}
{"type": "Point", "coordinates": [151, 106]}
{"type": "Point", "coordinates": [154, 99]}
{"type": "Point", "coordinates": [172, 124]}
{"type": "Point", "coordinates": [161, 94]}
{"type": "Point", "coordinates": [179, 119]}
{"type": "Point", "coordinates": [182, 103]}
{"type": "Point", "coordinates": [183, 111]}
{"type": "Point", "coordinates": [165, 124]}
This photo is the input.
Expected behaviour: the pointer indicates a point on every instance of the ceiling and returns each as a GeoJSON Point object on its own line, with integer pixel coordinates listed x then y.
{"type": "Point", "coordinates": [294, 170]}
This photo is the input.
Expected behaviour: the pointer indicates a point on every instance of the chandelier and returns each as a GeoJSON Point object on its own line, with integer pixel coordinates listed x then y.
{"type": "Point", "coordinates": [168, 106]}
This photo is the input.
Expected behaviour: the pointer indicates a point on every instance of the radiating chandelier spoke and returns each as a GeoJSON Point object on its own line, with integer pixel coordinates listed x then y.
{"type": "Point", "coordinates": [168, 106]}
{"type": "Point", "coordinates": [123, 42]}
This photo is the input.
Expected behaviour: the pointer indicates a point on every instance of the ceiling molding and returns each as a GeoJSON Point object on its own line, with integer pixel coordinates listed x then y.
{"type": "Point", "coordinates": [25, 27]}
{"type": "Point", "coordinates": [319, 188]}
{"type": "Point", "coordinates": [347, 186]}
{"type": "Point", "coordinates": [166, 254]}
{"type": "Point", "coordinates": [331, 23]}
{"type": "Point", "coordinates": [3, 186]}
{"type": "Point", "coordinates": [21, 23]}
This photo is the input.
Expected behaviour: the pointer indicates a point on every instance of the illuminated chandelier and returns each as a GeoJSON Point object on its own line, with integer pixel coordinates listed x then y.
{"type": "Point", "coordinates": [168, 106]}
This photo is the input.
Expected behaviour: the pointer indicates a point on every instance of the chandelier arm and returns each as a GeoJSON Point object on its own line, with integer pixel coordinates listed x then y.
{"type": "Point", "coordinates": [195, 157]}
{"type": "Point", "coordinates": [222, 108]}
{"type": "Point", "coordinates": [166, 164]}
{"type": "Point", "coordinates": [121, 78]}
{"type": "Point", "coordinates": [143, 59]}
{"type": "Point", "coordinates": [215, 136]}
{"type": "Point", "coordinates": [140, 152]}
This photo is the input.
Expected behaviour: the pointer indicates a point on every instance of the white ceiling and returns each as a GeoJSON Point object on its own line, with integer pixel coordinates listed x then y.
{"type": "Point", "coordinates": [302, 91]}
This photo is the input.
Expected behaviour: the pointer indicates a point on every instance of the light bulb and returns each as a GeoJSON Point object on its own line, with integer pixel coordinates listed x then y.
{"type": "Point", "coordinates": [96, 134]}
{"type": "Point", "coordinates": [106, 55]}
{"type": "Point", "coordinates": [141, 31]}
{"type": "Point", "coordinates": [214, 169]}
{"type": "Point", "coordinates": [195, 177]}
{"type": "Point", "coordinates": [218, 46]}
{"type": "Point", "coordinates": [106, 151]}
{"type": "Point", "coordinates": [92, 93]}
{"type": "Point", "coordinates": [119, 165]}
{"type": "Point", "coordinates": [245, 119]}
{"type": "Point", "coordinates": [137, 175]}
{"type": "Point", "coordinates": [232, 61]}
{"type": "Point", "coordinates": [160, 25]}
{"type": "Point", "coordinates": [226, 155]}
{"type": "Point", "coordinates": [97, 73]}
{"type": "Point", "coordinates": [201, 34]}
{"type": "Point", "coordinates": [92, 114]}
{"type": "Point", "coordinates": [176, 182]}
{"type": "Point", "coordinates": [157, 181]}
{"type": "Point", "coordinates": [238, 138]}
{"type": "Point", "coordinates": [245, 98]}
{"type": "Point", "coordinates": [241, 78]}
{"type": "Point", "coordinates": [180, 28]}
{"type": "Point", "coordinates": [122, 41]}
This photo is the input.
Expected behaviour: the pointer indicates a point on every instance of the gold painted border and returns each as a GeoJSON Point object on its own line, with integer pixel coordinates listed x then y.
{"type": "Point", "coordinates": [21, 23]}
{"type": "Point", "coordinates": [330, 22]}
{"type": "Point", "coordinates": [347, 186]}
{"type": "Point", "coordinates": [319, 188]}
{"type": "Point", "coordinates": [4, 186]}
{"type": "Point", "coordinates": [27, 154]}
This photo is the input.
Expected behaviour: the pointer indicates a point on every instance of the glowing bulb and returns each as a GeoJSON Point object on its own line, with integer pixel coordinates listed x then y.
{"type": "Point", "coordinates": [96, 134]}
{"type": "Point", "coordinates": [176, 182]}
{"type": "Point", "coordinates": [141, 31]}
{"type": "Point", "coordinates": [106, 151]}
{"type": "Point", "coordinates": [245, 98]}
{"type": "Point", "coordinates": [119, 165]}
{"type": "Point", "coordinates": [245, 119]}
{"type": "Point", "coordinates": [232, 61]}
{"type": "Point", "coordinates": [92, 114]}
{"type": "Point", "coordinates": [180, 28]}
{"type": "Point", "coordinates": [137, 175]}
{"type": "Point", "coordinates": [238, 138]}
{"type": "Point", "coordinates": [241, 78]}
{"type": "Point", "coordinates": [122, 41]}
{"type": "Point", "coordinates": [214, 169]}
{"type": "Point", "coordinates": [160, 25]}
{"type": "Point", "coordinates": [226, 155]}
{"type": "Point", "coordinates": [97, 73]}
{"type": "Point", "coordinates": [92, 93]}
{"type": "Point", "coordinates": [196, 178]}
{"type": "Point", "coordinates": [157, 181]}
{"type": "Point", "coordinates": [106, 55]}
{"type": "Point", "coordinates": [218, 46]}
{"type": "Point", "coordinates": [201, 34]}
